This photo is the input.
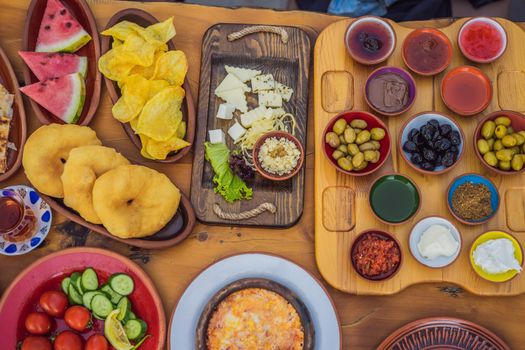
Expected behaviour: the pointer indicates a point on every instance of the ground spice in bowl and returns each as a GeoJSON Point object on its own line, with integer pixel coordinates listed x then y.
{"type": "Point", "coordinates": [472, 202]}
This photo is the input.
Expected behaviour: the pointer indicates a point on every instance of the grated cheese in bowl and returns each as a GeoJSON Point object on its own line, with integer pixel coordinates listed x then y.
{"type": "Point", "coordinates": [279, 156]}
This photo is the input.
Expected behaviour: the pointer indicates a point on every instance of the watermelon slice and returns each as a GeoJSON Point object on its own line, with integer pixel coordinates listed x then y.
{"type": "Point", "coordinates": [63, 96]}
{"type": "Point", "coordinates": [59, 30]}
{"type": "Point", "coordinates": [53, 65]}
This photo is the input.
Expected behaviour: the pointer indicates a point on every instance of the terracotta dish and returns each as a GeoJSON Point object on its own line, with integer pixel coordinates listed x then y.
{"type": "Point", "coordinates": [145, 19]}
{"type": "Point", "coordinates": [18, 128]}
{"type": "Point", "coordinates": [427, 51]}
{"type": "Point", "coordinates": [80, 9]}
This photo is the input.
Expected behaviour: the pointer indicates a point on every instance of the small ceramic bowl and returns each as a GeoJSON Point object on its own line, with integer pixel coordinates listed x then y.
{"type": "Point", "coordinates": [475, 179]}
{"type": "Point", "coordinates": [278, 135]}
{"type": "Point", "coordinates": [373, 122]}
{"type": "Point", "coordinates": [405, 214]}
{"type": "Point", "coordinates": [384, 236]}
{"type": "Point", "coordinates": [426, 38]}
{"type": "Point", "coordinates": [517, 121]}
{"type": "Point", "coordinates": [371, 20]}
{"type": "Point", "coordinates": [494, 24]}
{"type": "Point", "coordinates": [405, 75]}
{"type": "Point", "coordinates": [418, 121]}
{"type": "Point", "coordinates": [501, 277]}
{"type": "Point", "coordinates": [457, 90]}
{"type": "Point", "coordinates": [415, 236]}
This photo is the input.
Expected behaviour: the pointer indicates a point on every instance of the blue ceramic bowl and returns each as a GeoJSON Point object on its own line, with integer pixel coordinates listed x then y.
{"type": "Point", "coordinates": [475, 179]}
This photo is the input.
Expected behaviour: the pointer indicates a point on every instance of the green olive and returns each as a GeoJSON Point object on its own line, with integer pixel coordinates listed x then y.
{"type": "Point", "coordinates": [515, 150]}
{"type": "Point", "coordinates": [337, 154]}
{"type": "Point", "coordinates": [376, 144]}
{"type": "Point", "coordinates": [509, 141]}
{"type": "Point", "coordinates": [367, 146]}
{"type": "Point", "coordinates": [491, 143]}
{"type": "Point", "coordinates": [504, 155]}
{"type": "Point", "coordinates": [377, 134]}
{"type": "Point", "coordinates": [502, 121]}
{"type": "Point", "coordinates": [344, 164]}
{"type": "Point", "coordinates": [487, 130]}
{"type": "Point", "coordinates": [362, 166]}
{"type": "Point", "coordinates": [357, 130]}
{"type": "Point", "coordinates": [520, 139]}
{"type": "Point", "coordinates": [369, 155]}
{"type": "Point", "coordinates": [343, 149]}
{"type": "Point", "coordinates": [490, 158]}
{"type": "Point", "coordinates": [376, 158]}
{"type": "Point", "coordinates": [342, 139]}
{"type": "Point", "coordinates": [523, 148]}
{"type": "Point", "coordinates": [339, 126]}
{"type": "Point", "coordinates": [517, 162]}
{"type": "Point", "coordinates": [349, 135]}
{"type": "Point", "coordinates": [483, 146]}
{"type": "Point", "coordinates": [353, 149]}
{"type": "Point", "coordinates": [497, 145]}
{"type": "Point", "coordinates": [522, 133]}
{"type": "Point", "coordinates": [358, 123]}
{"type": "Point", "coordinates": [510, 130]}
{"type": "Point", "coordinates": [500, 131]}
{"type": "Point", "coordinates": [504, 165]}
{"type": "Point", "coordinates": [332, 139]}
{"type": "Point", "coordinates": [358, 160]}
{"type": "Point", "coordinates": [362, 137]}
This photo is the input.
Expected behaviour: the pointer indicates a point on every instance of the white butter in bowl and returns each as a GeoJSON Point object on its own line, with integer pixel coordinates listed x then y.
{"type": "Point", "coordinates": [496, 256]}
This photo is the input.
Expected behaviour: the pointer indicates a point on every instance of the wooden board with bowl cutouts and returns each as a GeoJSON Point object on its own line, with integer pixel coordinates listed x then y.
{"type": "Point", "coordinates": [342, 208]}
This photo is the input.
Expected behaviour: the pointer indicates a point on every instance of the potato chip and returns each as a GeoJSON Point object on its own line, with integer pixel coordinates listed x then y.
{"type": "Point", "coordinates": [144, 140]}
{"type": "Point", "coordinates": [122, 30]}
{"type": "Point", "coordinates": [162, 31]}
{"type": "Point", "coordinates": [156, 86]}
{"type": "Point", "coordinates": [117, 63]}
{"type": "Point", "coordinates": [181, 131]}
{"type": "Point", "coordinates": [116, 43]}
{"type": "Point", "coordinates": [135, 93]}
{"type": "Point", "coordinates": [161, 116]}
{"type": "Point", "coordinates": [172, 66]}
{"type": "Point", "coordinates": [148, 71]}
{"type": "Point", "coordinates": [160, 150]}
{"type": "Point", "coordinates": [133, 123]}
{"type": "Point", "coordinates": [144, 51]}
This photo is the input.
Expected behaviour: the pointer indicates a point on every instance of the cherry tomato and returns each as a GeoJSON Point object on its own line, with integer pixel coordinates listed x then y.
{"type": "Point", "coordinates": [68, 340]}
{"type": "Point", "coordinates": [38, 323]}
{"type": "Point", "coordinates": [78, 318]}
{"type": "Point", "coordinates": [36, 343]}
{"type": "Point", "coordinates": [54, 303]}
{"type": "Point", "coordinates": [97, 342]}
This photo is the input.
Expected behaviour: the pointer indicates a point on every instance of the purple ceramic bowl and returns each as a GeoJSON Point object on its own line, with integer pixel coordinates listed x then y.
{"type": "Point", "coordinates": [405, 75]}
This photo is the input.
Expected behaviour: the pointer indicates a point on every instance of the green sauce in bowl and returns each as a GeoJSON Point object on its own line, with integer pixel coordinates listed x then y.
{"type": "Point", "coordinates": [394, 198]}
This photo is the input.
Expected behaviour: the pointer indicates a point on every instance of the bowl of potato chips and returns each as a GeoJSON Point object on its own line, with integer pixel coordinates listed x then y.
{"type": "Point", "coordinates": [146, 80]}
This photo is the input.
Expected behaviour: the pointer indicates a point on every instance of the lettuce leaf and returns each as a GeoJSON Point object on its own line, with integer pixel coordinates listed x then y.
{"type": "Point", "coordinates": [227, 184]}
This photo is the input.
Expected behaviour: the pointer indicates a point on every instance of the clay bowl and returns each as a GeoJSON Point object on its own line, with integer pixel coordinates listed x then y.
{"type": "Point", "coordinates": [405, 75]}
{"type": "Point", "coordinates": [18, 129]}
{"type": "Point", "coordinates": [372, 122]}
{"type": "Point", "coordinates": [278, 135]}
{"type": "Point", "coordinates": [429, 33]}
{"type": "Point", "coordinates": [419, 120]}
{"type": "Point", "coordinates": [175, 231]}
{"type": "Point", "coordinates": [517, 122]}
{"type": "Point", "coordinates": [80, 9]}
{"type": "Point", "coordinates": [500, 277]}
{"type": "Point", "coordinates": [495, 24]}
{"type": "Point", "coordinates": [22, 295]}
{"type": "Point", "coordinates": [372, 20]}
{"type": "Point", "coordinates": [475, 179]}
{"type": "Point", "coordinates": [382, 235]}
{"type": "Point", "coordinates": [290, 296]}
{"type": "Point", "coordinates": [456, 77]}
{"type": "Point", "coordinates": [145, 19]}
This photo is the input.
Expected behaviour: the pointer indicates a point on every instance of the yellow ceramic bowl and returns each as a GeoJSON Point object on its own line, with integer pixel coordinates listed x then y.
{"type": "Point", "coordinates": [487, 236]}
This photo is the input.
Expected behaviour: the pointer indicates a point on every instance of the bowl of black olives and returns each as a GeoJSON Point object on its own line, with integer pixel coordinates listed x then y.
{"type": "Point", "coordinates": [431, 142]}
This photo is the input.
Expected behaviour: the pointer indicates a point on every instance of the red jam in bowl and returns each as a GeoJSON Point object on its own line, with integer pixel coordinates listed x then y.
{"type": "Point", "coordinates": [369, 41]}
{"type": "Point", "coordinates": [427, 51]}
{"type": "Point", "coordinates": [481, 40]}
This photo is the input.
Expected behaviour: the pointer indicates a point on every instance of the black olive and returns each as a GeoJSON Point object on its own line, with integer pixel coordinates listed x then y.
{"type": "Point", "coordinates": [442, 145]}
{"type": "Point", "coordinates": [427, 132]}
{"type": "Point", "coordinates": [439, 160]}
{"type": "Point", "coordinates": [427, 166]}
{"type": "Point", "coordinates": [434, 123]}
{"type": "Point", "coordinates": [416, 158]}
{"type": "Point", "coordinates": [455, 138]}
{"type": "Point", "coordinates": [454, 149]}
{"type": "Point", "coordinates": [419, 139]}
{"type": "Point", "coordinates": [448, 159]}
{"type": "Point", "coordinates": [412, 133]}
{"type": "Point", "coordinates": [409, 146]}
{"type": "Point", "coordinates": [436, 135]}
{"type": "Point", "coordinates": [429, 154]}
{"type": "Point", "coordinates": [445, 129]}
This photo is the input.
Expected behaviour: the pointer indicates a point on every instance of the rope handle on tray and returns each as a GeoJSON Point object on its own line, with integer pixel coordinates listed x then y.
{"type": "Point", "coordinates": [248, 214]}
{"type": "Point", "coordinates": [257, 29]}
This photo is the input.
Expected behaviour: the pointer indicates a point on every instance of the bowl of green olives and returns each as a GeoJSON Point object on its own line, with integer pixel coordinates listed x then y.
{"type": "Point", "coordinates": [499, 142]}
{"type": "Point", "coordinates": [357, 143]}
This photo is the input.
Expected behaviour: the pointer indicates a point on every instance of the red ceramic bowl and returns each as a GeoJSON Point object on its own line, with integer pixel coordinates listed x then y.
{"type": "Point", "coordinates": [466, 90]}
{"type": "Point", "coordinates": [22, 296]}
{"type": "Point", "coordinates": [420, 47]}
{"type": "Point", "coordinates": [487, 21]}
{"type": "Point", "coordinates": [373, 122]}
{"type": "Point", "coordinates": [517, 121]}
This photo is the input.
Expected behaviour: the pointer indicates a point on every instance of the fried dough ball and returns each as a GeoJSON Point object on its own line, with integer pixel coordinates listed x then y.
{"type": "Point", "coordinates": [134, 201]}
{"type": "Point", "coordinates": [84, 165]}
{"type": "Point", "coordinates": [47, 150]}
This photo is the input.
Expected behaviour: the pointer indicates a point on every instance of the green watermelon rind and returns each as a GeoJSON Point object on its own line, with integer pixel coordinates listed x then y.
{"type": "Point", "coordinates": [70, 45]}
{"type": "Point", "coordinates": [77, 101]}
{"type": "Point", "coordinates": [83, 66]}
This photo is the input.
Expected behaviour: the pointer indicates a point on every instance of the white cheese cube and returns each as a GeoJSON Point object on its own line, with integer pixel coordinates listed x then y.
{"type": "Point", "coordinates": [270, 99]}
{"type": "Point", "coordinates": [243, 74]}
{"type": "Point", "coordinates": [235, 97]}
{"type": "Point", "coordinates": [217, 136]}
{"type": "Point", "coordinates": [285, 91]}
{"type": "Point", "coordinates": [225, 111]}
{"type": "Point", "coordinates": [236, 132]}
{"type": "Point", "coordinates": [274, 113]}
{"type": "Point", "coordinates": [231, 82]}
{"type": "Point", "coordinates": [248, 118]}
{"type": "Point", "coordinates": [263, 82]}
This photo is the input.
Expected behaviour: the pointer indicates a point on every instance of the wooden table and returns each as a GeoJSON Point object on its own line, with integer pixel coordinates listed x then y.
{"type": "Point", "coordinates": [365, 320]}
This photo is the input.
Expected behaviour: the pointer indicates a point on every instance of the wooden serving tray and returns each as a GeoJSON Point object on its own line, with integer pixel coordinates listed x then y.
{"type": "Point", "coordinates": [341, 201]}
{"type": "Point", "coordinates": [289, 63]}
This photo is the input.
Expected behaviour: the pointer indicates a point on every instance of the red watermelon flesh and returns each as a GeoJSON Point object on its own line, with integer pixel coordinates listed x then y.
{"type": "Point", "coordinates": [45, 65]}
{"type": "Point", "coordinates": [63, 96]}
{"type": "Point", "coordinates": [59, 30]}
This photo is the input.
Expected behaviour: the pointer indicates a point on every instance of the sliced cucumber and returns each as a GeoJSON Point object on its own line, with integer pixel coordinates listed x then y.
{"type": "Point", "coordinates": [75, 276]}
{"type": "Point", "coordinates": [74, 296]}
{"type": "Point", "coordinates": [101, 305]}
{"type": "Point", "coordinates": [122, 283]}
{"type": "Point", "coordinates": [65, 285]}
{"type": "Point", "coordinates": [135, 329]}
{"type": "Point", "coordinates": [88, 297]}
{"type": "Point", "coordinates": [113, 296]}
{"type": "Point", "coordinates": [89, 279]}
{"type": "Point", "coordinates": [132, 316]}
{"type": "Point", "coordinates": [124, 305]}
